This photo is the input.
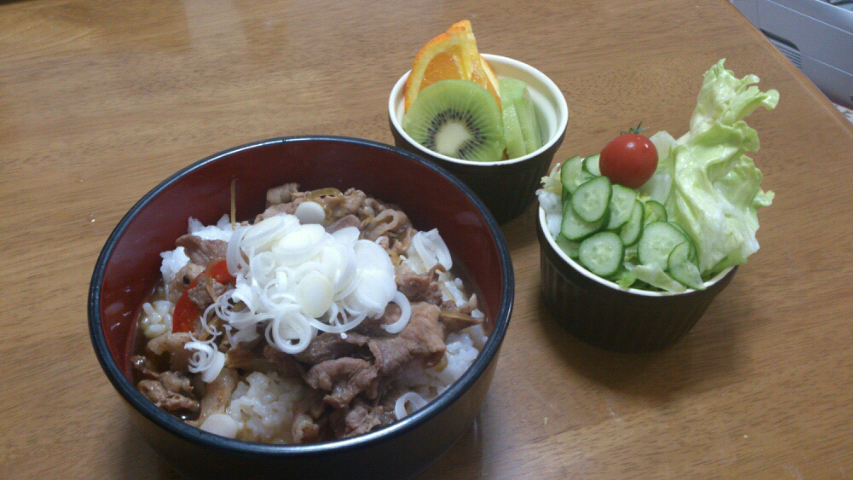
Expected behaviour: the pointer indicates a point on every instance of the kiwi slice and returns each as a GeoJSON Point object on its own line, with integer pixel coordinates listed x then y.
{"type": "Point", "coordinates": [514, 92]}
{"type": "Point", "coordinates": [457, 118]}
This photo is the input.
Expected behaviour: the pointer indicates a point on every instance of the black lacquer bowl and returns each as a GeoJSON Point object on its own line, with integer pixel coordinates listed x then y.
{"type": "Point", "coordinates": [128, 268]}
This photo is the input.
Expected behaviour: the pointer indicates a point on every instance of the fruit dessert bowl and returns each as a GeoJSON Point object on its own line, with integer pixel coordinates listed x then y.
{"type": "Point", "coordinates": [129, 268]}
{"type": "Point", "coordinates": [507, 187]}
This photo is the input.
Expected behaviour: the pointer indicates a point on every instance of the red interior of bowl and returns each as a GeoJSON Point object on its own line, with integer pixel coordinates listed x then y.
{"type": "Point", "coordinates": [203, 191]}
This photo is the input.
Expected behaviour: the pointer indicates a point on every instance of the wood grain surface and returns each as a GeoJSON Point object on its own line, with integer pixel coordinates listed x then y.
{"type": "Point", "coordinates": [101, 100]}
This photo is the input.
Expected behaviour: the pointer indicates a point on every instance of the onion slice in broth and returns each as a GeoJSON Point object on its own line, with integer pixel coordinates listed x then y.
{"type": "Point", "coordinates": [432, 249]}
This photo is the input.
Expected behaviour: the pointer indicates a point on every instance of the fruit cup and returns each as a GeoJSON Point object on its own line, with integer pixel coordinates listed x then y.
{"type": "Point", "coordinates": [507, 187]}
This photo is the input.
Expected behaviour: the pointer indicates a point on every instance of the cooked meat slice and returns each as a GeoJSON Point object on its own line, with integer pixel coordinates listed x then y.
{"type": "Point", "coordinates": [372, 327]}
{"type": "Point", "coordinates": [328, 346]}
{"type": "Point", "coordinates": [285, 364]}
{"type": "Point", "coordinates": [360, 417]}
{"type": "Point", "coordinates": [418, 286]}
{"type": "Point", "coordinates": [422, 338]}
{"type": "Point", "coordinates": [388, 402]}
{"type": "Point", "coordinates": [309, 418]}
{"type": "Point", "coordinates": [172, 345]}
{"type": "Point", "coordinates": [455, 321]}
{"type": "Point", "coordinates": [274, 210]}
{"type": "Point", "coordinates": [281, 194]}
{"type": "Point", "coordinates": [367, 207]}
{"type": "Point", "coordinates": [346, 377]}
{"type": "Point", "coordinates": [388, 222]}
{"type": "Point", "coordinates": [343, 378]}
{"type": "Point", "coordinates": [339, 206]}
{"type": "Point", "coordinates": [182, 279]}
{"type": "Point", "coordinates": [402, 241]}
{"type": "Point", "coordinates": [344, 222]}
{"type": "Point", "coordinates": [145, 366]}
{"type": "Point", "coordinates": [201, 251]}
{"type": "Point", "coordinates": [355, 201]}
{"type": "Point", "coordinates": [217, 395]}
{"type": "Point", "coordinates": [205, 291]}
{"type": "Point", "coordinates": [304, 429]}
{"type": "Point", "coordinates": [172, 392]}
{"type": "Point", "coordinates": [250, 356]}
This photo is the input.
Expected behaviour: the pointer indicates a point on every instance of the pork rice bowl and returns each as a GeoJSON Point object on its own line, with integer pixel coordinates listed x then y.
{"type": "Point", "coordinates": [326, 317]}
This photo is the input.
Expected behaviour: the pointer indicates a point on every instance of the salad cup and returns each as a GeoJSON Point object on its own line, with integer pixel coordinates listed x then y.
{"type": "Point", "coordinates": [507, 187]}
{"type": "Point", "coordinates": [601, 313]}
{"type": "Point", "coordinates": [710, 193]}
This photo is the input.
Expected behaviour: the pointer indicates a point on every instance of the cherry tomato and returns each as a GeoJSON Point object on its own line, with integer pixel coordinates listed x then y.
{"type": "Point", "coordinates": [629, 160]}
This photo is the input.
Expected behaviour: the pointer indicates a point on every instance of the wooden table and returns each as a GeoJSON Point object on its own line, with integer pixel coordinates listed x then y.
{"type": "Point", "coordinates": [100, 101]}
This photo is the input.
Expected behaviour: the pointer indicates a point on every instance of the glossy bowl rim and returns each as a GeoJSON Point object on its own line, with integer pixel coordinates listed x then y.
{"type": "Point", "coordinates": [175, 427]}
{"type": "Point", "coordinates": [553, 89]}
{"type": "Point", "coordinates": [552, 244]}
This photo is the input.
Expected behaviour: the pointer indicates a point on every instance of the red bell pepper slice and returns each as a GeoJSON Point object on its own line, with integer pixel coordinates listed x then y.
{"type": "Point", "coordinates": [186, 312]}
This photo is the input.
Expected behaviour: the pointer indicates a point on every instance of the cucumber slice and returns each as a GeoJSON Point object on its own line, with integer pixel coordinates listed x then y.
{"type": "Point", "coordinates": [590, 164]}
{"type": "Point", "coordinates": [682, 268]}
{"type": "Point", "coordinates": [657, 242]}
{"type": "Point", "coordinates": [592, 199]}
{"type": "Point", "coordinates": [582, 178]}
{"type": "Point", "coordinates": [602, 254]}
{"type": "Point", "coordinates": [575, 228]}
{"type": "Point", "coordinates": [693, 255]}
{"type": "Point", "coordinates": [567, 246]}
{"type": "Point", "coordinates": [633, 228]}
{"type": "Point", "coordinates": [569, 173]}
{"type": "Point", "coordinates": [621, 204]}
{"type": "Point", "coordinates": [655, 212]}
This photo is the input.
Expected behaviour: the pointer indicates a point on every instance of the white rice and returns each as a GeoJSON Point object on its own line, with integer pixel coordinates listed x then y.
{"type": "Point", "coordinates": [156, 318]}
{"type": "Point", "coordinates": [174, 260]}
{"type": "Point", "coordinates": [262, 406]}
{"type": "Point", "coordinates": [462, 349]}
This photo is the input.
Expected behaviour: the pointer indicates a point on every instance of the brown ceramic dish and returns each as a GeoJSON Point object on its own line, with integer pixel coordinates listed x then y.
{"type": "Point", "coordinates": [128, 268]}
{"type": "Point", "coordinates": [601, 313]}
{"type": "Point", "coordinates": [507, 187]}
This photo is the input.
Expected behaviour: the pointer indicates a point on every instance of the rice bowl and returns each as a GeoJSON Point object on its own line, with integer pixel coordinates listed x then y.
{"type": "Point", "coordinates": [130, 265]}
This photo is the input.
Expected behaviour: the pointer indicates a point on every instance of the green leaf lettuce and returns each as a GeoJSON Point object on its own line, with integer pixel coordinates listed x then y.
{"type": "Point", "coordinates": [716, 192]}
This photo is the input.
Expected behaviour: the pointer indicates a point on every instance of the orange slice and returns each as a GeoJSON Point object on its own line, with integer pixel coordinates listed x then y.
{"type": "Point", "coordinates": [481, 71]}
{"type": "Point", "coordinates": [491, 80]}
{"type": "Point", "coordinates": [451, 55]}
